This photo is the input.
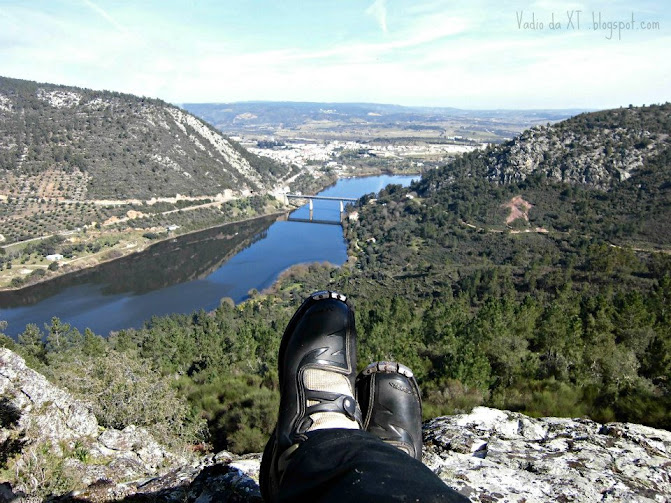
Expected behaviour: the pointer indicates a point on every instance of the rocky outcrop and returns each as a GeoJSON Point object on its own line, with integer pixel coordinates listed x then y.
{"type": "Point", "coordinates": [51, 441]}
{"type": "Point", "coordinates": [40, 408]}
{"type": "Point", "coordinates": [52, 444]}
{"type": "Point", "coordinates": [223, 477]}
{"type": "Point", "coordinates": [493, 455]}
{"type": "Point", "coordinates": [488, 455]}
{"type": "Point", "coordinates": [598, 149]}
{"type": "Point", "coordinates": [566, 156]}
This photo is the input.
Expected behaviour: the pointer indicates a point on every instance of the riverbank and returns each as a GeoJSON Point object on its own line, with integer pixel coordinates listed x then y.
{"type": "Point", "coordinates": [128, 243]}
{"type": "Point", "coordinates": [92, 246]}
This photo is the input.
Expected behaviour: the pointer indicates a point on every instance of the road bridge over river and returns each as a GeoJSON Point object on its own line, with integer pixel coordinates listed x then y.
{"type": "Point", "coordinates": [342, 201]}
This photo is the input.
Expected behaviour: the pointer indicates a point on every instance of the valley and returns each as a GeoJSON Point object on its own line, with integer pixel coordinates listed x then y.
{"type": "Point", "coordinates": [529, 274]}
{"type": "Point", "coordinates": [133, 279]}
{"type": "Point", "coordinates": [487, 183]}
{"type": "Point", "coordinates": [58, 194]}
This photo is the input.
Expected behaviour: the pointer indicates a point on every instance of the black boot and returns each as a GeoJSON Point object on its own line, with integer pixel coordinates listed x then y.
{"type": "Point", "coordinates": [317, 368]}
{"type": "Point", "coordinates": [389, 398]}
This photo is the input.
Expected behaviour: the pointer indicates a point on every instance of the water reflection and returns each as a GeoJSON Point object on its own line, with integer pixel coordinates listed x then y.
{"type": "Point", "coordinates": [166, 263]}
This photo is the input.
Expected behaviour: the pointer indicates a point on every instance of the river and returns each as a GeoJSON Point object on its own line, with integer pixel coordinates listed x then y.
{"type": "Point", "coordinates": [190, 272]}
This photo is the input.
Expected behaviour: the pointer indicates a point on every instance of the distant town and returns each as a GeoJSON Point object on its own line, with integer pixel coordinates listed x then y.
{"type": "Point", "coordinates": [349, 157]}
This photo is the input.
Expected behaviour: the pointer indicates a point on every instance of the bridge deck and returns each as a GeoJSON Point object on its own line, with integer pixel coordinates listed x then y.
{"type": "Point", "coordinates": [325, 198]}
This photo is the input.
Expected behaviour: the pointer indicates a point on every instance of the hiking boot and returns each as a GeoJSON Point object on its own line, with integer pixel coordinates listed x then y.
{"type": "Point", "coordinates": [389, 398]}
{"type": "Point", "coordinates": [317, 368]}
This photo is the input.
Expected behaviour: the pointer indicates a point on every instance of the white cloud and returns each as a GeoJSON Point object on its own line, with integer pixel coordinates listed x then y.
{"type": "Point", "coordinates": [378, 9]}
{"type": "Point", "coordinates": [429, 7]}
{"type": "Point", "coordinates": [558, 6]}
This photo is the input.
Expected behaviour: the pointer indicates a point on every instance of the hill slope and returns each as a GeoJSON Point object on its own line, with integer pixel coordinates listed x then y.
{"type": "Point", "coordinates": [604, 173]}
{"type": "Point", "coordinates": [597, 149]}
{"type": "Point", "coordinates": [105, 145]}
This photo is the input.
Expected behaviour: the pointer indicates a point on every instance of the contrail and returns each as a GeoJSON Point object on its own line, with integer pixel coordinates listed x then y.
{"type": "Point", "coordinates": [104, 14]}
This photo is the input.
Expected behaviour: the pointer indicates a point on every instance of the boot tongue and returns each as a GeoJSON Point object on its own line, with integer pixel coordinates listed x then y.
{"type": "Point", "coordinates": [332, 382]}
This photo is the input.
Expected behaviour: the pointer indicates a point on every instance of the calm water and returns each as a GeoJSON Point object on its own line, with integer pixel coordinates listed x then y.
{"type": "Point", "coordinates": [190, 272]}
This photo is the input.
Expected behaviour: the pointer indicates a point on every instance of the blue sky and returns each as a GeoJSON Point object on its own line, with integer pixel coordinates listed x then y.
{"type": "Point", "coordinates": [471, 54]}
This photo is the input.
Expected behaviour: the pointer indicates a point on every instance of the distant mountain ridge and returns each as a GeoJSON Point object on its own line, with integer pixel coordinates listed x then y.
{"type": "Point", "coordinates": [233, 116]}
{"type": "Point", "coordinates": [122, 146]}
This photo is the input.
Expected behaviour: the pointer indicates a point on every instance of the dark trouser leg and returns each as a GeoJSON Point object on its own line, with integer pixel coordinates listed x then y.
{"type": "Point", "coordinates": [348, 466]}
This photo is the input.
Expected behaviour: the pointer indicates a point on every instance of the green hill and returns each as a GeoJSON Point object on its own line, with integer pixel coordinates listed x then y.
{"type": "Point", "coordinates": [605, 174]}
{"type": "Point", "coordinates": [87, 144]}
{"type": "Point", "coordinates": [597, 149]}
{"type": "Point", "coordinates": [561, 310]}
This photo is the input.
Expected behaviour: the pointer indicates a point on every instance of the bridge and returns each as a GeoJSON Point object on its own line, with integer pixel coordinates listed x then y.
{"type": "Point", "coordinates": [323, 198]}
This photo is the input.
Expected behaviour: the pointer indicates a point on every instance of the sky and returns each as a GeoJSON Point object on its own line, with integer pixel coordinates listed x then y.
{"type": "Point", "coordinates": [467, 54]}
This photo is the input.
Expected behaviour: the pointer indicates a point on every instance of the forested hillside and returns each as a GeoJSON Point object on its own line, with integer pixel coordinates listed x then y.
{"type": "Point", "coordinates": [106, 145]}
{"type": "Point", "coordinates": [604, 174]}
{"type": "Point", "coordinates": [562, 310]}
{"type": "Point", "coordinates": [526, 291]}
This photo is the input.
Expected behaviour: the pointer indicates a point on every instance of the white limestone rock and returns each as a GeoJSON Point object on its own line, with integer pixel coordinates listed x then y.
{"type": "Point", "coordinates": [51, 413]}
{"type": "Point", "coordinates": [59, 98]}
{"type": "Point", "coordinates": [42, 415]}
{"type": "Point", "coordinates": [492, 455]}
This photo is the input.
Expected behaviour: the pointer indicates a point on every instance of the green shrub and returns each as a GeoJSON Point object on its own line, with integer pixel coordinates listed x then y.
{"type": "Point", "coordinates": [41, 472]}
{"type": "Point", "coordinates": [240, 411]}
{"type": "Point", "coordinates": [125, 390]}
